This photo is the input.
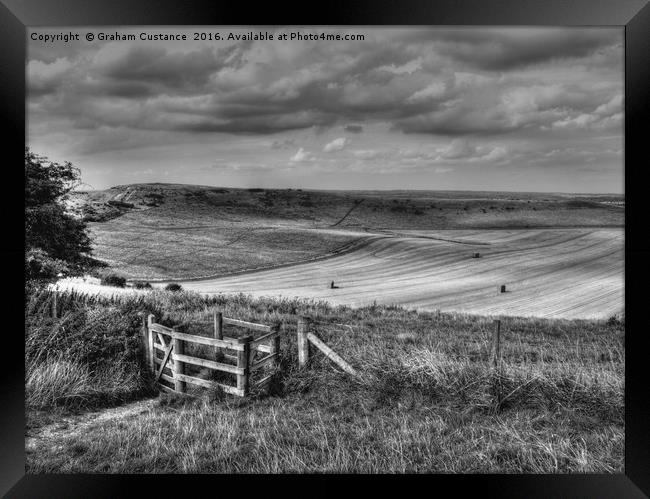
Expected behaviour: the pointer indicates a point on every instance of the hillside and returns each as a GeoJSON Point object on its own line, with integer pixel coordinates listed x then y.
{"type": "Point", "coordinates": [162, 231]}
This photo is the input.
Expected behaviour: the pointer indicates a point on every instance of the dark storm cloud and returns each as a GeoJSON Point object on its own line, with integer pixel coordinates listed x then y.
{"type": "Point", "coordinates": [157, 66]}
{"type": "Point", "coordinates": [429, 81]}
{"type": "Point", "coordinates": [502, 49]}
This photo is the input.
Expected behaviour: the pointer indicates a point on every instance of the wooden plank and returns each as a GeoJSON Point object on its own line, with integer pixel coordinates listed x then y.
{"type": "Point", "coordinates": [164, 361]}
{"type": "Point", "coordinates": [166, 388]}
{"type": "Point", "coordinates": [209, 384]}
{"type": "Point", "coordinates": [158, 346]}
{"type": "Point", "coordinates": [264, 381]}
{"type": "Point", "coordinates": [158, 360]}
{"type": "Point", "coordinates": [207, 341]}
{"type": "Point", "coordinates": [262, 348]}
{"type": "Point", "coordinates": [159, 328]}
{"type": "Point", "coordinates": [259, 340]}
{"type": "Point", "coordinates": [260, 363]}
{"type": "Point", "coordinates": [331, 354]}
{"type": "Point", "coordinates": [161, 339]}
{"type": "Point", "coordinates": [167, 378]}
{"type": "Point", "coordinates": [208, 363]}
{"type": "Point", "coordinates": [249, 325]}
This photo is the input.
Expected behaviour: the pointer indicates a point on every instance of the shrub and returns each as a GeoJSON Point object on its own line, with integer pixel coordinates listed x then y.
{"type": "Point", "coordinates": [141, 285]}
{"type": "Point", "coordinates": [113, 280]}
{"type": "Point", "coordinates": [172, 286]}
{"type": "Point", "coordinates": [40, 265]}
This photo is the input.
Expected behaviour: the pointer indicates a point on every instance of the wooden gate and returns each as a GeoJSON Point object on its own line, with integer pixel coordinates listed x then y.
{"type": "Point", "coordinates": [250, 356]}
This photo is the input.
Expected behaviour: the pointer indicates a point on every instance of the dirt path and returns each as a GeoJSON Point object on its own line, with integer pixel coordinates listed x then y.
{"type": "Point", "coordinates": [356, 205]}
{"type": "Point", "coordinates": [75, 424]}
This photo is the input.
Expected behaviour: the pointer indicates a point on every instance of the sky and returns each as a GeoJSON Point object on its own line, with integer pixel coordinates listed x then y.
{"type": "Point", "coordinates": [448, 108]}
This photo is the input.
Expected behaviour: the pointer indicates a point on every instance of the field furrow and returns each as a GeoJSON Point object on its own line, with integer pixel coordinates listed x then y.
{"type": "Point", "coordinates": [568, 273]}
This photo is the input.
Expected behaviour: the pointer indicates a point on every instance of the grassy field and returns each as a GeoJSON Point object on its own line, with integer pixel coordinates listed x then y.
{"type": "Point", "coordinates": [162, 231]}
{"type": "Point", "coordinates": [425, 402]}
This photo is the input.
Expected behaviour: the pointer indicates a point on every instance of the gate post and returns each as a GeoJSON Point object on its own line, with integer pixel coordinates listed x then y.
{"type": "Point", "coordinates": [150, 352]}
{"type": "Point", "coordinates": [218, 325]}
{"type": "Point", "coordinates": [243, 362]}
{"type": "Point", "coordinates": [303, 342]}
{"type": "Point", "coordinates": [177, 349]}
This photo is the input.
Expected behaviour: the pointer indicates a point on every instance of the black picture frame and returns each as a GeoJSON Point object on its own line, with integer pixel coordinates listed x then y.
{"type": "Point", "coordinates": [633, 15]}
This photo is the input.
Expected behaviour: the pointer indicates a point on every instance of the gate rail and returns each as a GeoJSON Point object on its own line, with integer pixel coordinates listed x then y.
{"type": "Point", "coordinates": [170, 342]}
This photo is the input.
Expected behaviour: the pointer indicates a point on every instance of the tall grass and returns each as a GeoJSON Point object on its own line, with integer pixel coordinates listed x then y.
{"type": "Point", "coordinates": [426, 401]}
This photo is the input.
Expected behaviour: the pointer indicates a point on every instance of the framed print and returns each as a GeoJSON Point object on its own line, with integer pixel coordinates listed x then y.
{"type": "Point", "coordinates": [378, 239]}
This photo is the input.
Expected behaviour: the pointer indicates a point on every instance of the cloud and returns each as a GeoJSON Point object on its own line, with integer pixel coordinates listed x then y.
{"type": "Point", "coordinates": [283, 144]}
{"type": "Point", "coordinates": [455, 82]}
{"type": "Point", "coordinates": [301, 156]}
{"type": "Point", "coordinates": [367, 154]}
{"type": "Point", "coordinates": [463, 150]}
{"type": "Point", "coordinates": [499, 49]}
{"type": "Point", "coordinates": [435, 90]}
{"type": "Point", "coordinates": [336, 145]}
{"type": "Point", "coordinates": [353, 128]}
{"type": "Point", "coordinates": [458, 148]}
{"type": "Point", "coordinates": [44, 77]}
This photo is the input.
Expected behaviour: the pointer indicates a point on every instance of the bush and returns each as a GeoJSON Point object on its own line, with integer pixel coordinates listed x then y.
{"type": "Point", "coordinates": [40, 265]}
{"type": "Point", "coordinates": [173, 287]}
{"type": "Point", "coordinates": [113, 280]}
{"type": "Point", "coordinates": [141, 285]}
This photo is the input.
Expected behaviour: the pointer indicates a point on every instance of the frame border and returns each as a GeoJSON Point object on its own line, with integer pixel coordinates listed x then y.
{"type": "Point", "coordinates": [633, 15]}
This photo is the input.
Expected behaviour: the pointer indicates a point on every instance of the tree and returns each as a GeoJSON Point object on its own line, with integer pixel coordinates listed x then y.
{"type": "Point", "coordinates": [55, 241]}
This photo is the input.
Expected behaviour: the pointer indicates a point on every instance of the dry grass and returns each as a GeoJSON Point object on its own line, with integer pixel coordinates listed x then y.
{"type": "Point", "coordinates": [426, 401]}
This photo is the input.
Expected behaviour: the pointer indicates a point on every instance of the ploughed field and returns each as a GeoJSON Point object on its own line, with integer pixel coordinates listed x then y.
{"type": "Point", "coordinates": [559, 255]}
{"type": "Point", "coordinates": [555, 273]}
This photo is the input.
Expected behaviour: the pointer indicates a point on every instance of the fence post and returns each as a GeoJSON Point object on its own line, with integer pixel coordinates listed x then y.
{"type": "Point", "coordinates": [150, 353]}
{"type": "Point", "coordinates": [496, 359]}
{"type": "Point", "coordinates": [275, 345]}
{"type": "Point", "coordinates": [179, 368]}
{"type": "Point", "coordinates": [243, 362]}
{"type": "Point", "coordinates": [496, 345]}
{"type": "Point", "coordinates": [54, 296]}
{"type": "Point", "coordinates": [303, 342]}
{"type": "Point", "coordinates": [218, 334]}
{"type": "Point", "coordinates": [218, 325]}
